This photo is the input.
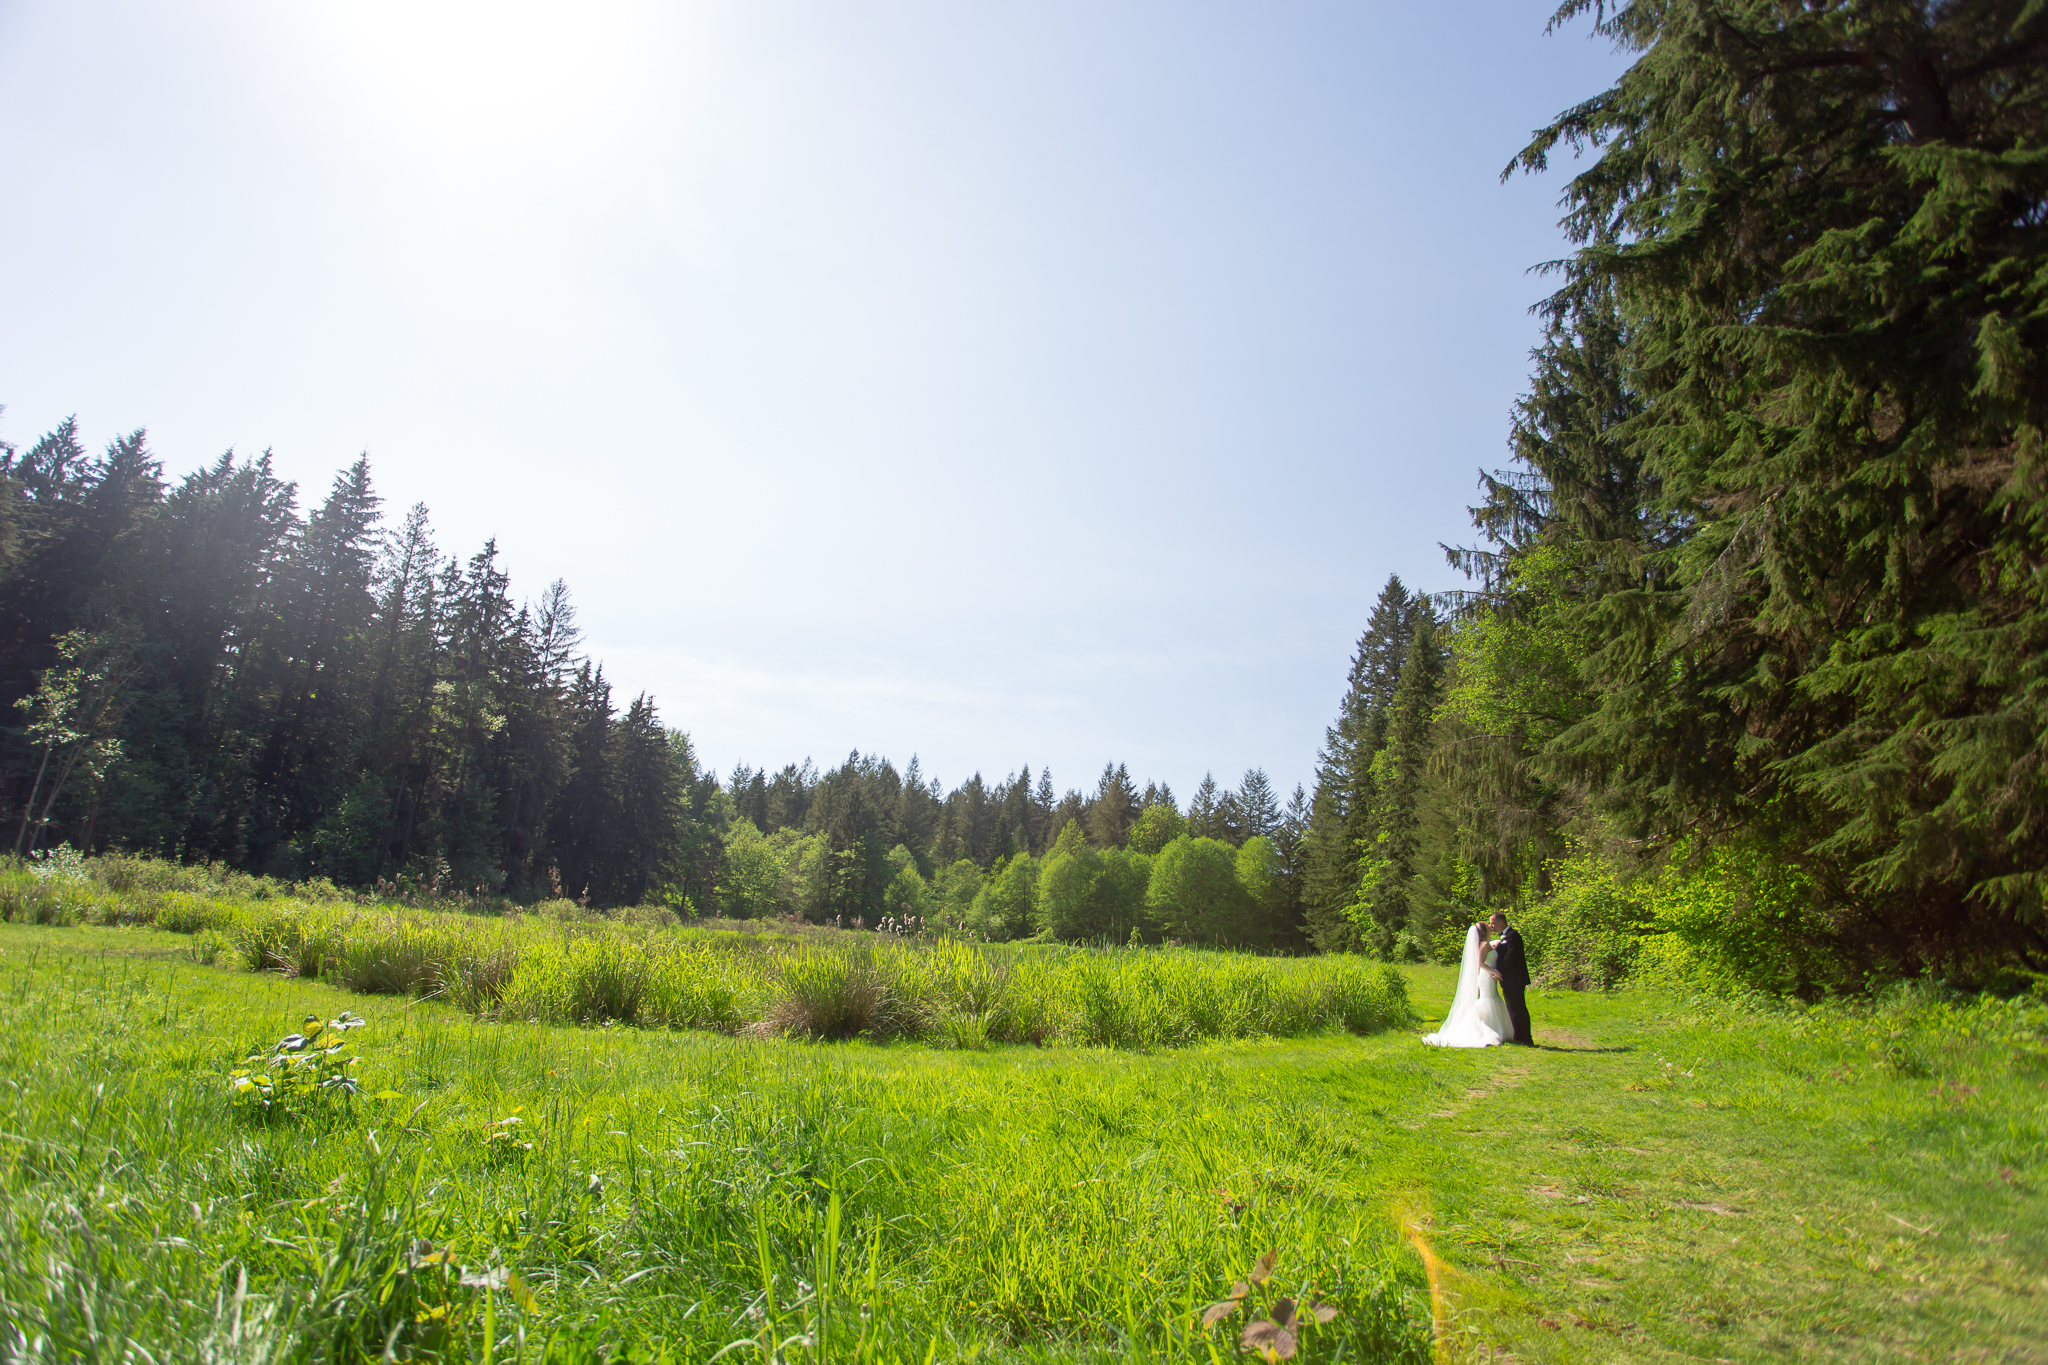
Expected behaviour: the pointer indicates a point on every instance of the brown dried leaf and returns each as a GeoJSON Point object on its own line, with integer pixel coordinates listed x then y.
{"type": "Point", "coordinates": [1323, 1313]}
{"type": "Point", "coordinates": [1283, 1312]}
{"type": "Point", "coordinates": [1217, 1312]}
{"type": "Point", "coordinates": [1239, 1290]}
{"type": "Point", "coordinates": [1262, 1269]}
{"type": "Point", "coordinates": [1270, 1340]}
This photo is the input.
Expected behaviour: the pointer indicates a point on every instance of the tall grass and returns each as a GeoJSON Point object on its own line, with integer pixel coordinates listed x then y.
{"type": "Point", "coordinates": [675, 1196]}
{"type": "Point", "coordinates": [544, 969]}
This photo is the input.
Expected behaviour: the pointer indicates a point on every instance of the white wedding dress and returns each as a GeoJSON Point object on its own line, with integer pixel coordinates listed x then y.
{"type": "Point", "coordinates": [1478, 1017]}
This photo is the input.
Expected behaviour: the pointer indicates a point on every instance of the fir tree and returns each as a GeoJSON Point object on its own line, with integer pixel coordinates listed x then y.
{"type": "Point", "coordinates": [1205, 810]}
{"type": "Point", "coordinates": [1823, 227]}
{"type": "Point", "coordinates": [1114, 809]}
{"type": "Point", "coordinates": [1385, 902]}
{"type": "Point", "coordinates": [1258, 810]}
{"type": "Point", "coordinates": [1339, 813]}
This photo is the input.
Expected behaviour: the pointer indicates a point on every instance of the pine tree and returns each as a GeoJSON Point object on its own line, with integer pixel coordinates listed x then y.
{"type": "Point", "coordinates": [1388, 863]}
{"type": "Point", "coordinates": [1205, 810]}
{"type": "Point", "coordinates": [1258, 810]}
{"type": "Point", "coordinates": [1043, 802]}
{"type": "Point", "coordinates": [1339, 810]}
{"type": "Point", "coordinates": [1114, 809]}
{"type": "Point", "coordinates": [648, 807]}
{"type": "Point", "coordinates": [1013, 816]}
{"type": "Point", "coordinates": [1822, 224]}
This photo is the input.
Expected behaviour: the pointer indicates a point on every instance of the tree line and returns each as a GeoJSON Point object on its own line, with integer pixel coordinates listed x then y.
{"type": "Point", "coordinates": [201, 671]}
{"type": "Point", "coordinates": [865, 845]}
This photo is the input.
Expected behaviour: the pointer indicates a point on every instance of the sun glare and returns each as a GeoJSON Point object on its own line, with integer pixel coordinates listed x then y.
{"type": "Point", "coordinates": [473, 81]}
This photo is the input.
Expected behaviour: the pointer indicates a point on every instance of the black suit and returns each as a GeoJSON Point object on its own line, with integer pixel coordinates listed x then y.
{"type": "Point", "coordinates": [1514, 982]}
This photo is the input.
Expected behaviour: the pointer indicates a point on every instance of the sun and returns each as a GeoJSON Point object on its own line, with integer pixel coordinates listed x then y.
{"type": "Point", "coordinates": [489, 82]}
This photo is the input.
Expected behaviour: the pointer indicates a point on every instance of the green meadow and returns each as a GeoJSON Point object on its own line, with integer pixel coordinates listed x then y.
{"type": "Point", "coordinates": [1662, 1180]}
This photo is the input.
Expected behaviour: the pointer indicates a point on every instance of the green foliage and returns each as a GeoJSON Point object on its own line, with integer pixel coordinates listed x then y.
{"type": "Point", "coordinates": [1734, 918]}
{"type": "Point", "coordinates": [1067, 906]}
{"type": "Point", "coordinates": [750, 875]}
{"type": "Point", "coordinates": [954, 891]}
{"type": "Point", "coordinates": [1006, 906]}
{"type": "Point", "coordinates": [303, 1071]}
{"type": "Point", "coordinates": [907, 900]}
{"type": "Point", "coordinates": [1587, 932]}
{"type": "Point", "coordinates": [1262, 876]}
{"type": "Point", "coordinates": [1090, 896]}
{"type": "Point", "coordinates": [1157, 827]}
{"type": "Point", "coordinates": [1195, 895]}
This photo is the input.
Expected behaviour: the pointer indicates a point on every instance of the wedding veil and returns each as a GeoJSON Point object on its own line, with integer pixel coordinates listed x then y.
{"type": "Point", "coordinates": [1468, 971]}
{"type": "Point", "coordinates": [1466, 1001]}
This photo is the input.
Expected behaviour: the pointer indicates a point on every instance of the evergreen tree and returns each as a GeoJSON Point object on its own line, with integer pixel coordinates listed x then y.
{"type": "Point", "coordinates": [1258, 810]}
{"type": "Point", "coordinates": [1072, 806]}
{"type": "Point", "coordinates": [1385, 903]}
{"type": "Point", "coordinates": [1115, 808]}
{"type": "Point", "coordinates": [649, 808]}
{"type": "Point", "coordinates": [917, 814]}
{"type": "Point", "coordinates": [1339, 813]}
{"type": "Point", "coordinates": [1205, 810]}
{"type": "Point", "coordinates": [1043, 803]}
{"type": "Point", "coordinates": [1290, 845]}
{"type": "Point", "coordinates": [1822, 226]}
{"type": "Point", "coordinates": [1013, 815]}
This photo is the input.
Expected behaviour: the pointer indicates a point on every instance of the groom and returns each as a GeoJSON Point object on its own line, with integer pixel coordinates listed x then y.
{"type": "Point", "coordinates": [1511, 969]}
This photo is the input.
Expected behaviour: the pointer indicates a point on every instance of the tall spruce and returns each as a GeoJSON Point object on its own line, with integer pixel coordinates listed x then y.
{"type": "Point", "coordinates": [1340, 809]}
{"type": "Point", "coordinates": [1257, 809]}
{"type": "Point", "coordinates": [1384, 905]}
{"type": "Point", "coordinates": [1823, 227]}
{"type": "Point", "coordinates": [1114, 809]}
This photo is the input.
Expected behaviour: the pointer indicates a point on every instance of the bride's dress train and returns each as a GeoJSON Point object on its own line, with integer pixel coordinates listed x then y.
{"type": "Point", "coordinates": [1478, 1017]}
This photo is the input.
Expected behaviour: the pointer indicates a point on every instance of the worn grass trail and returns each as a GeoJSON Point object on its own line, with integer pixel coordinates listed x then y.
{"type": "Point", "coordinates": [1667, 1185]}
{"type": "Point", "coordinates": [1653, 1185]}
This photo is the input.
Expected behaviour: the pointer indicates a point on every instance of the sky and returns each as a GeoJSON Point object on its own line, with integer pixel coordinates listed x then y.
{"type": "Point", "coordinates": [1002, 382]}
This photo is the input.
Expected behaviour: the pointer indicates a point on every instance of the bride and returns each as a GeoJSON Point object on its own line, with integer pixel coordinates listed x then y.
{"type": "Point", "coordinates": [1478, 1017]}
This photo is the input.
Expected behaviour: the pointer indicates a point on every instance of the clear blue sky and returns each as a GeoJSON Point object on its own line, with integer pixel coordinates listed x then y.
{"type": "Point", "coordinates": [1002, 382]}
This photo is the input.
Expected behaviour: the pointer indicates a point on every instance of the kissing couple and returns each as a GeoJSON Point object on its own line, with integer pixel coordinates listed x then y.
{"type": "Point", "coordinates": [1490, 1007]}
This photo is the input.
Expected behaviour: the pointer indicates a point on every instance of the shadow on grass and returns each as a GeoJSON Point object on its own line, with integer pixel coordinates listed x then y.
{"type": "Point", "coordinates": [1560, 1047]}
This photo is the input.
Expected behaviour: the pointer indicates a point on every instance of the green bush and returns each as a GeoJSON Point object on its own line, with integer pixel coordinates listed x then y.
{"type": "Point", "coordinates": [1735, 918]}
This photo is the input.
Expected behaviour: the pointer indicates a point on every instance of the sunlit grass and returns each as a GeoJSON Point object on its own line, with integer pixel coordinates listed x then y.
{"type": "Point", "coordinates": [682, 1191]}
{"type": "Point", "coordinates": [1664, 1182]}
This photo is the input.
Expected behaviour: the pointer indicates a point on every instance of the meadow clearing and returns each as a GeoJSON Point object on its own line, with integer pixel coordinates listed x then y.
{"type": "Point", "coordinates": [1664, 1180]}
